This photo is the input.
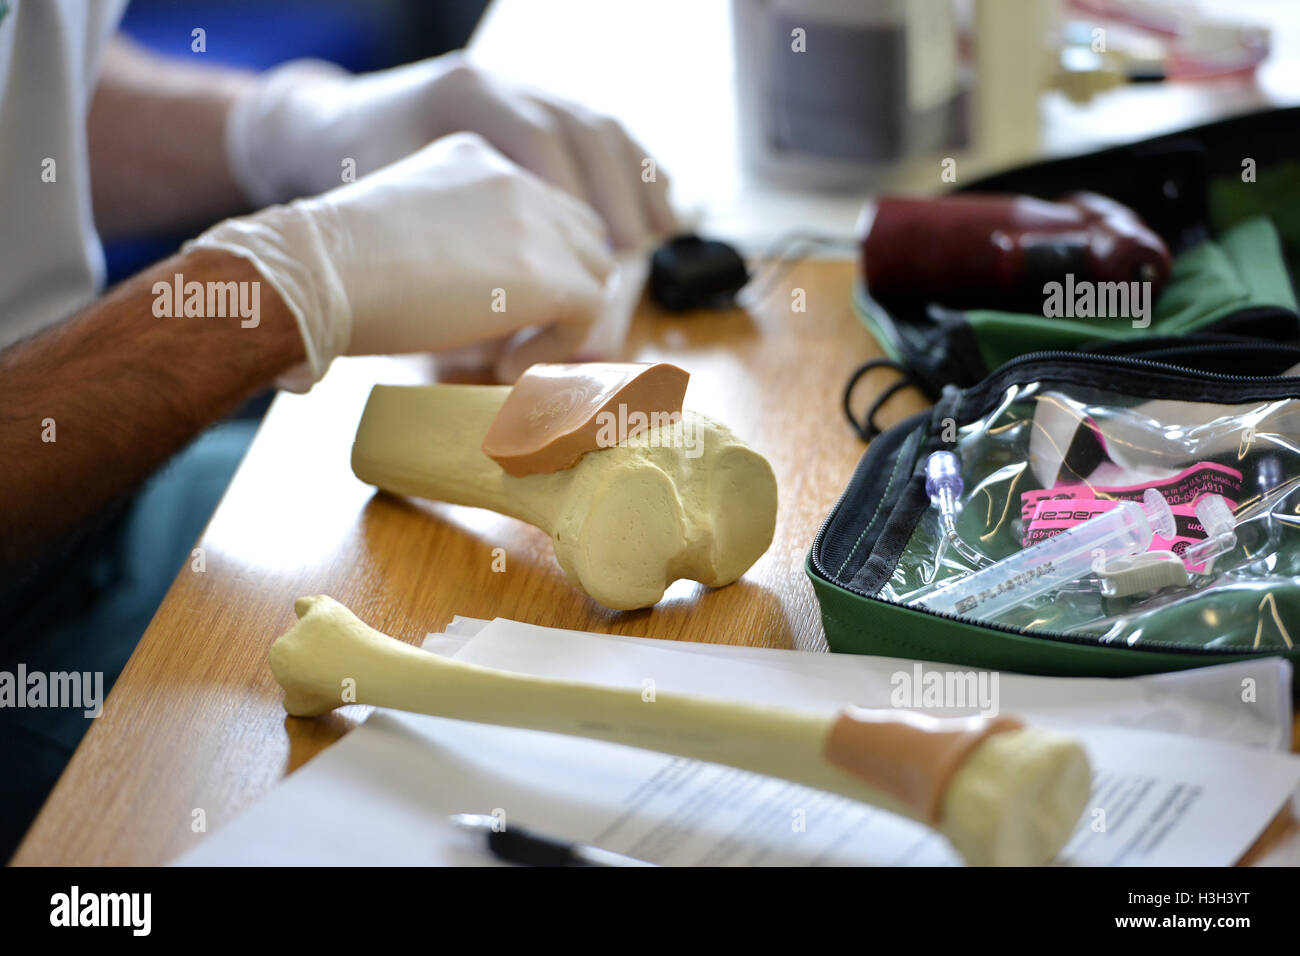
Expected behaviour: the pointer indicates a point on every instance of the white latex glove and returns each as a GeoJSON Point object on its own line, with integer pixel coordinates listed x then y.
{"type": "Point", "coordinates": [296, 130]}
{"type": "Point", "coordinates": [453, 245]}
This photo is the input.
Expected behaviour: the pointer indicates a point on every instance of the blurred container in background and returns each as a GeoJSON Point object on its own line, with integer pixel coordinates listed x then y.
{"type": "Point", "coordinates": [833, 94]}
{"type": "Point", "coordinates": [831, 91]}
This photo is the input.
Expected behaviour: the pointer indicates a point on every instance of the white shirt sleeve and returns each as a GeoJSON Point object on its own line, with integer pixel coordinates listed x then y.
{"type": "Point", "coordinates": [51, 261]}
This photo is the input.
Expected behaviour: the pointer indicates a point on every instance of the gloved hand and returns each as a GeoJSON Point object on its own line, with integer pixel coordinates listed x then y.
{"type": "Point", "coordinates": [294, 132]}
{"type": "Point", "coordinates": [452, 245]}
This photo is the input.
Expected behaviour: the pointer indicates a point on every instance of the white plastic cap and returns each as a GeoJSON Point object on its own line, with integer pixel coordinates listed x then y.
{"type": "Point", "coordinates": [1159, 514]}
{"type": "Point", "coordinates": [1215, 515]}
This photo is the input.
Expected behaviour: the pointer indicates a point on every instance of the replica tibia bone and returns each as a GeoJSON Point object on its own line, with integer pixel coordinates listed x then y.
{"type": "Point", "coordinates": [1002, 795]}
{"type": "Point", "coordinates": [680, 500]}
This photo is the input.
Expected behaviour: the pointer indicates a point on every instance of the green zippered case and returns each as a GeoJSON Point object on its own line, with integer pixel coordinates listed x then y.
{"type": "Point", "coordinates": [863, 550]}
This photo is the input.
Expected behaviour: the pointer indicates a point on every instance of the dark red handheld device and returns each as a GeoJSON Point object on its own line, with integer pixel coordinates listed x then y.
{"type": "Point", "coordinates": [990, 250]}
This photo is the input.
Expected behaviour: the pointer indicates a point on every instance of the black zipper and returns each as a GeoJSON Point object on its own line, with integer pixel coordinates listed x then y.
{"type": "Point", "coordinates": [998, 381]}
{"type": "Point", "coordinates": [1269, 350]}
{"type": "Point", "coordinates": [997, 384]}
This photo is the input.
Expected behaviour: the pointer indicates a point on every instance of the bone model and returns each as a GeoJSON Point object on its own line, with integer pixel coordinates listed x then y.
{"type": "Point", "coordinates": [1003, 794]}
{"type": "Point", "coordinates": [682, 499]}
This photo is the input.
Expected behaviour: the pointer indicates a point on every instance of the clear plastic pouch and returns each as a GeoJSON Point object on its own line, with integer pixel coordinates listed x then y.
{"type": "Point", "coordinates": [1050, 455]}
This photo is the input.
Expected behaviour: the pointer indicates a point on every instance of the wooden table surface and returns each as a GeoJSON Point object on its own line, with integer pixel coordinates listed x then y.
{"type": "Point", "coordinates": [195, 721]}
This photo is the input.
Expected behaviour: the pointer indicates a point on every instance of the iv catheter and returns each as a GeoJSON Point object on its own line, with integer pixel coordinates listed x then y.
{"type": "Point", "coordinates": [944, 486]}
{"type": "Point", "coordinates": [1124, 531]}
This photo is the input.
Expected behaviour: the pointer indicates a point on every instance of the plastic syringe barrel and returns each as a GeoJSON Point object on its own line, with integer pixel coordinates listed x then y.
{"type": "Point", "coordinates": [1125, 530]}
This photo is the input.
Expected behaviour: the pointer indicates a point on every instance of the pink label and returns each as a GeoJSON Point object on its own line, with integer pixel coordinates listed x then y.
{"type": "Point", "coordinates": [1048, 512]}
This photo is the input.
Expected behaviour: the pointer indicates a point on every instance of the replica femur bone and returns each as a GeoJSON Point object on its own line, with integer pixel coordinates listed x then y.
{"type": "Point", "coordinates": [1002, 794]}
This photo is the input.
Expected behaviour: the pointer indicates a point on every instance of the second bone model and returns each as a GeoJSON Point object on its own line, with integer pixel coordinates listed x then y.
{"type": "Point", "coordinates": [1001, 792]}
{"type": "Point", "coordinates": [683, 498]}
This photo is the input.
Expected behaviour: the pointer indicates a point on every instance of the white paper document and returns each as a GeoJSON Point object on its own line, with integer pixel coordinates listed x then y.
{"type": "Point", "coordinates": [383, 793]}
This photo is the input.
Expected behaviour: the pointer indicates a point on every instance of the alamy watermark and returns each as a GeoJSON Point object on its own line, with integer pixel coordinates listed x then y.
{"type": "Point", "coordinates": [945, 690]}
{"type": "Point", "coordinates": [209, 300]}
{"type": "Point", "coordinates": [79, 690]}
{"type": "Point", "coordinates": [1087, 300]}
{"type": "Point", "coordinates": [133, 911]}
{"type": "Point", "coordinates": [639, 429]}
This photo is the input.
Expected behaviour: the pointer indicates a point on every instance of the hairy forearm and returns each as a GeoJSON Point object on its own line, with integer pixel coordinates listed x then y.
{"type": "Point", "coordinates": [156, 132]}
{"type": "Point", "coordinates": [90, 407]}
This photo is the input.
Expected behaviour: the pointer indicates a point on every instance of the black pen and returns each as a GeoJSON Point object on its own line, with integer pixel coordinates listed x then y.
{"type": "Point", "coordinates": [515, 844]}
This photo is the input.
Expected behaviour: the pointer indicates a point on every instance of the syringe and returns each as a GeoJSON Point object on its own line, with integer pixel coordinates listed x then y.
{"type": "Point", "coordinates": [1123, 531]}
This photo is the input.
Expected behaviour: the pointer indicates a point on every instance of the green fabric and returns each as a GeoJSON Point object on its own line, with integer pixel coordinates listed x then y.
{"type": "Point", "coordinates": [872, 321]}
{"type": "Point", "coordinates": [1243, 269]}
{"type": "Point", "coordinates": [1274, 193]}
